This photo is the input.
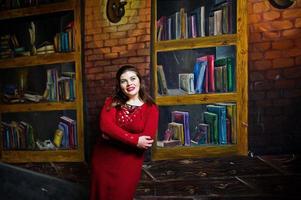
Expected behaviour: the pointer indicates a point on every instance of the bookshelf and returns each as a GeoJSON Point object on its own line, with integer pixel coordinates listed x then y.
{"type": "Point", "coordinates": [47, 66]}
{"type": "Point", "coordinates": [207, 40]}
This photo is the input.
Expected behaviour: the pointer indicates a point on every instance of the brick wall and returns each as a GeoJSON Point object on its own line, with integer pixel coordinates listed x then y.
{"type": "Point", "coordinates": [274, 77]}
{"type": "Point", "coordinates": [108, 46]}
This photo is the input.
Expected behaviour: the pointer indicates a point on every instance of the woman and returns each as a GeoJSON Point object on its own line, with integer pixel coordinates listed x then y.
{"type": "Point", "coordinates": [128, 123]}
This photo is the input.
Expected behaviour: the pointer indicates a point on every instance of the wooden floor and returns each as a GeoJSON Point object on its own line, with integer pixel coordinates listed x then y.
{"type": "Point", "coordinates": [239, 177]}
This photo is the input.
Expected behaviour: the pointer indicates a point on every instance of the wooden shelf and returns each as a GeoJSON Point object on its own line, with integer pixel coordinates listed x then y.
{"type": "Point", "coordinates": [43, 156]}
{"type": "Point", "coordinates": [160, 153]}
{"type": "Point", "coordinates": [196, 99]}
{"type": "Point", "coordinates": [29, 107]}
{"type": "Point", "coordinates": [30, 61]}
{"type": "Point", "coordinates": [37, 10]}
{"type": "Point", "coordinates": [192, 43]}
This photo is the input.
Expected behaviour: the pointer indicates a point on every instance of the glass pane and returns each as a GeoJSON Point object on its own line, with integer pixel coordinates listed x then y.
{"type": "Point", "coordinates": [37, 84]}
{"type": "Point", "coordinates": [195, 71]}
{"type": "Point", "coordinates": [195, 125]}
{"type": "Point", "coordinates": [181, 19]}
{"type": "Point", "coordinates": [23, 131]}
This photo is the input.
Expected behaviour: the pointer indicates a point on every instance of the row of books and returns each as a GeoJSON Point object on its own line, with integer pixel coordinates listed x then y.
{"type": "Point", "coordinates": [63, 41]}
{"type": "Point", "coordinates": [218, 127]}
{"type": "Point", "coordinates": [17, 135]}
{"type": "Point", "coordinates": [20, 135]}
{"type": "Point", "coordinates": [209, 75]}
{"type": "Point", "coordinates": [60, 88]}
{"type": "Point", "coordinates": [196, 23]}
{"type": "Point", "coordinates": [12, 4]}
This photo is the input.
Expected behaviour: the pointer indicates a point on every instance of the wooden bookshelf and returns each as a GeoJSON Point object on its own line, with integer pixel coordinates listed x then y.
{"type": "Point", "coordinates": [238, 40]}
{"type": "Point", "coordinates": [42, 63]}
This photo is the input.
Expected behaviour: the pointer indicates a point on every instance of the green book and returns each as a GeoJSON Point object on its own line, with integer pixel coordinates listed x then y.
{"type": "Point", "coordinates": [211, 119]}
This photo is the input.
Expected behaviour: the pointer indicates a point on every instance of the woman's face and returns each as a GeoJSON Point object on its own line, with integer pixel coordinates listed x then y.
{"type": "Point", "coordinates": [130, 84]}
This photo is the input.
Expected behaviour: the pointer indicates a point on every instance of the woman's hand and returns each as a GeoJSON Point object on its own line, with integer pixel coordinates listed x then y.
{"type": "Point", "coordinates": [144, 142]}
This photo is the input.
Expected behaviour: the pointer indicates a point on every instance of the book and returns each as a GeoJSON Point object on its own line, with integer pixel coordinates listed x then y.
{"type": "Point", "coordinates": [201, 134]}
{"type": "Point", "coordinates": [168, 143]}
{"type": "Point", "coordinates": [186, 82]}
{"type": "Point", "coordinates": [182, 117]}
{"type": "Point", "coordinates": [199, 74]}
{"type": "Point", "coordinates": [162, 80]}
{"type": "Point", "coordinates": [220, 111]}
{"type": "Point", "coordinates": [211, 120]}
{"type": "Point", "coordinates": [231, 114]}
{"type": "Point", "coordinates": [177, 131]}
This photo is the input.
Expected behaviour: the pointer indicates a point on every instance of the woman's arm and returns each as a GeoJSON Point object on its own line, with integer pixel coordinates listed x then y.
{"type": "Point", "coordinates": [109, 127]}
{"type": "Point", "coordinates": [151, 124]}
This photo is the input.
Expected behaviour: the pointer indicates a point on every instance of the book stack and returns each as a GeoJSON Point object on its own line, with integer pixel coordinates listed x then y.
{"type": "Point", "coordinates": [17, 135]}
{"type": "Point", "coordinates": [69, 129]}
{"type": "Point", "coordinates": [5, 50]}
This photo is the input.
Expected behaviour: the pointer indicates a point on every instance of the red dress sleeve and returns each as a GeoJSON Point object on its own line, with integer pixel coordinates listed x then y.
{"type": "Point", "coordinates": [151, 124]}
{"type": "Point", "coordinates": [108, 126]}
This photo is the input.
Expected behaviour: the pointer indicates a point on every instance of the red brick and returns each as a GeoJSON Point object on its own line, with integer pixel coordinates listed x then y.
{"type": "Point", "coordinates": [120, 61]}
{"type": "Point", "coordinates": [136, 46]}
{"type": "Point", "coordinates": [255, 37]}
{"type": "Point", "coordinates": [143, 38]}
{"type": "Point", "coordinates": [292, 33]}
{"type": "Point", "coordinates": [110, 55]}
{"type": "Point", "coordinates": [112, 42]}
{"type": "Point", "coordinates": [118, 49]}
{"type": "Point", "coordinates": [262, 64]}
{"type": "Point", "coordinates": [292, 52]}
{"type": "Point", "coordinates": [126, 27]}
{"type": "Point", "coordinates": [95, 70]}
{"type": "Point", "coordinates": [102, 50]}
{"type": "Point", "coordinates": [129, 53]}
{"type": "Point", "coordinates": [136, 32]}
{"type": "Point", "coordinates": [272, 15]}
{"type": "Point", "coordinates": [136, 59]}
{"type": "Point", "coordinates": [262, 46]}
{"type": "Point", "coordinates": [143, 52]}
{"type": "Point", "coordinates": [94, 57]}
{"type": "Point", "coordinates": [298, 23]}
{"type": "Point", "coordinates": [282, 44]}
{"type": "Point", "coordinates": [109, 29]}
{"type": "Point", "coordinates": [130, 40]}
{"type": "Point", "coordinates": [273, 54]}
{"type": "Point", "coordinates": [291, 13]}
{"type": "Point", "coordinates": [102, 62]}
{"type": "Point", "coordinates": [118, 35]}
{"type": "Point", "coordinates": [255, 55]}
{"type": "Point", "coordinates": [271, 35]}
{"type": "Point", "coordinates": [255, 18]}
{"type": "Point", "coordinates": [283, 62]}
{"type": "Point", "coordinates": [260, 7]}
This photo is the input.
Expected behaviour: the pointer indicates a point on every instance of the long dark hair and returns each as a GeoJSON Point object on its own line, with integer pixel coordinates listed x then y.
{"type": "Point", "coordinates": [119, 98]}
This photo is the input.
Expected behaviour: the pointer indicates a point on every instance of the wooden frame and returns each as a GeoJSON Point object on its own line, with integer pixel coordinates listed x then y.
{"type": "Point", "coordinates": [240, 96]}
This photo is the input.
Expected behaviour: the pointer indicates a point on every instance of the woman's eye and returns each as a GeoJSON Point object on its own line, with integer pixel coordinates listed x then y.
{"type": "Point", "coordinates": [133, 78]}
{"type": "Point", "coordinates": [122, 81]}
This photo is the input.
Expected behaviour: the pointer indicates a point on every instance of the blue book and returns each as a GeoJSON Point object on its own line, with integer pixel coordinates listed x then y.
{"type": "Point", "coordinates": [220, 111]}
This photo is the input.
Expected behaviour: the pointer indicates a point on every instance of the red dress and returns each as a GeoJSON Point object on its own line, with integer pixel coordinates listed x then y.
{"type": "Point", "coordinates": [117, 162]}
